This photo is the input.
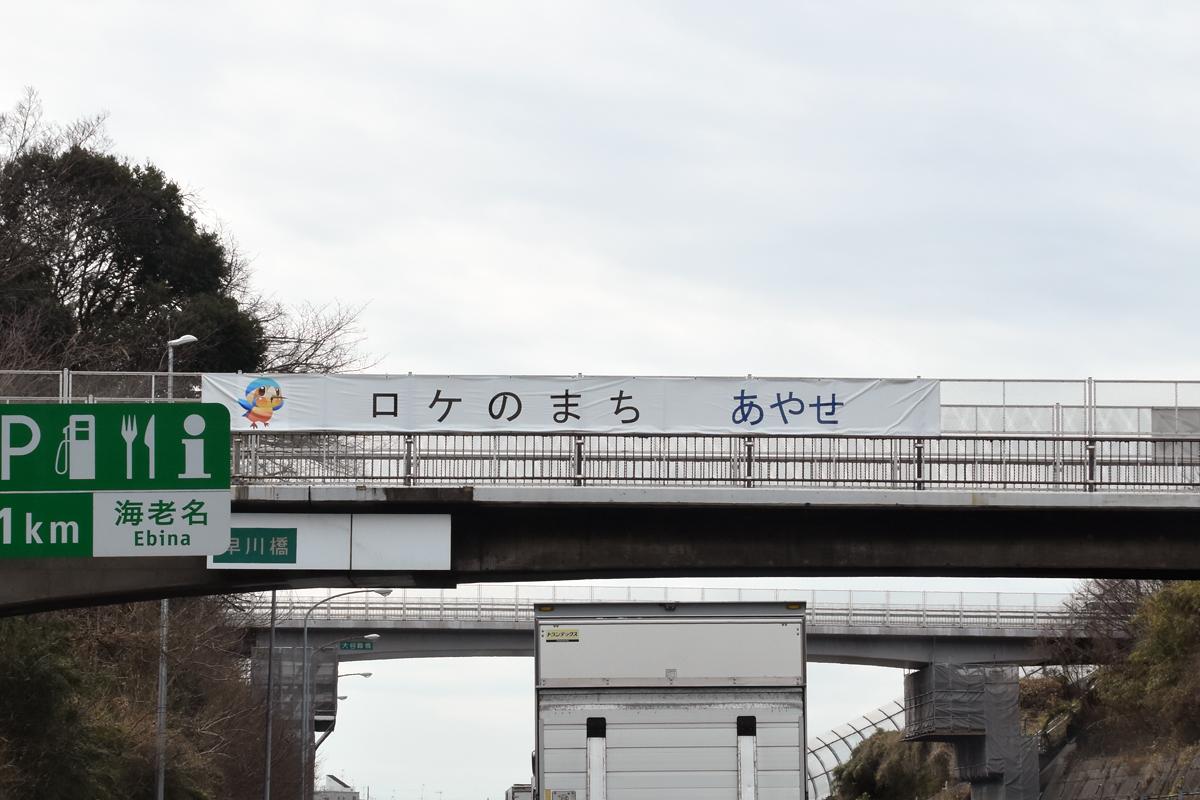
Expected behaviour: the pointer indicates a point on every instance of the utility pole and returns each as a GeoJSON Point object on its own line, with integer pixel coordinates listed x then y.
{"type": "Point", "coordinates": [160, 717]}
{"type": "Point", "coordinates": [270, 702]}
{"type": "Point", "coordinates": [164, 608]}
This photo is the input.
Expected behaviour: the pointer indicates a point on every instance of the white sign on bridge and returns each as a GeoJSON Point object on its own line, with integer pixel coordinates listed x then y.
{"type": "Point", "coordinates": [340, 542]}
{"type": "Point", "coordinates": [527, 404]}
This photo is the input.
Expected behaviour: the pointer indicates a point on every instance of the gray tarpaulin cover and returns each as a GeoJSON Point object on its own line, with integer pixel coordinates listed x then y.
{"type": "Point", "coordinates": [977, 708]}
{"type": "Point", "coordinates": [948, 699]}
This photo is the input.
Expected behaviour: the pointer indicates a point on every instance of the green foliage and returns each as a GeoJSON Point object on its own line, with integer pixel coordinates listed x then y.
{"type": "Point", "coordinates": [1154, 693]}
{"type": "Point", "coordinates": [103, 260]}
{"type": "Point", "coordinates": [78, 692]}
{"type": "Point", "coordinates": [884, 767]}
{"type": "Point", "coordinates": [51, 748]}
{"type": "Point", "coordinates": [1045, 698]}
{"type": "Point", "coordinates": [112, 257]}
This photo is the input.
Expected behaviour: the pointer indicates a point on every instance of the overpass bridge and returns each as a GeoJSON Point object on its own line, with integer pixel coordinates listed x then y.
{"type": "Point", "coordinates": [502, 533]}
{"type": "Point", "coordinates": [884, 628]}
{"type": "Point", "coordinates": [907, 629]}
{"type": "Point", "coordinates": [1028, 478]}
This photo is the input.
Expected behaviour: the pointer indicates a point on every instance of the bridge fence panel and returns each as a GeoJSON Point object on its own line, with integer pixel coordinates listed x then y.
{"type": "Point", "coordinates": [997, 434]}
{"type": "Point", "coordinates": [825, 608]}
{"type": "Point", "coordinates": [1008, 463]}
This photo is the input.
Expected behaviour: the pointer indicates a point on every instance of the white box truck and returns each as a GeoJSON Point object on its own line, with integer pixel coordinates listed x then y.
{"type": "Point", "coordinates": [670, 701]}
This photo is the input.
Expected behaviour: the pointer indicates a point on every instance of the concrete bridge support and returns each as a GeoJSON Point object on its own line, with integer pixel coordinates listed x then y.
{"type": "Point", "coordinates": [977, 710]}
{"type": "Point", "coordinates": [289, 677]}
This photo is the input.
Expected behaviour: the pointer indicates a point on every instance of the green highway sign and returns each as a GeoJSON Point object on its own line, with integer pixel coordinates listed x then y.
{"type": "Point", "coordinates": [37, 525]}
{"type": "Point", "coordinates": [259, 546]}
{"type": "Point", "coordinates": [74, 447]}
{"type": "Point", "coordinates": [113, 480]}
{"type": "Point", "coordinates": [356, 646]}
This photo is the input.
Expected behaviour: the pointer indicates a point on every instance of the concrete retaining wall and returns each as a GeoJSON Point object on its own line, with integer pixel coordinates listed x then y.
{"type": "Point", "coordinates": [1120, 777]}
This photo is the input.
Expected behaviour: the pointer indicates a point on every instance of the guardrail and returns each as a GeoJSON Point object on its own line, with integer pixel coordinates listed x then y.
{"type": "Point", "coordinates": [1054, 463]}
{"type": "Point", "coordinates": [1009, 611]}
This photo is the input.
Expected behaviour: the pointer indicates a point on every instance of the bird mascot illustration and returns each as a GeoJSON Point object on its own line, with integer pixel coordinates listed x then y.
{"type": "Point", "coordinates": [263, 398]}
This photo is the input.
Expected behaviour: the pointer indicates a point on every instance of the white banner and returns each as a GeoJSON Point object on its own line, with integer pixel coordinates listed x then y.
{"type": "Point", "coordinates": [527, 404]}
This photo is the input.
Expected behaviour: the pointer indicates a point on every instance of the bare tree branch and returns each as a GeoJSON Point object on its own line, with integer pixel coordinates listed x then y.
{"type": "Point", "coordinates": [313, 338]}
{"type": "Point", "coordinates": [24, 129]}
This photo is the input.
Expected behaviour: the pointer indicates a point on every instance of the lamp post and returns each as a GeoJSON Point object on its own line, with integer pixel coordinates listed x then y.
{"type": "Point", "coordinates": [340, 697]}
{"type": "Point", "coordinates": [187, 338]}
{"type": "Point", "coordinates": [270, 703]}
{"type": "Point", "coordinates": [305, 730]}
{"type": "Point", "coordinates": [353, 674]}
{"type": "Point", "coordinates": [163, 611]}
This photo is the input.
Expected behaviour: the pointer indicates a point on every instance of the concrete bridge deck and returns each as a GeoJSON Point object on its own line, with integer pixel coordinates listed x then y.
{"type": "Point", "coordinates": [531, 533]}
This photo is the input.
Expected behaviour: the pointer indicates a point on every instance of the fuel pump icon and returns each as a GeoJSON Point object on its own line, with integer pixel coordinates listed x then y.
{"type": "Point", "coordinates": [76, 455]}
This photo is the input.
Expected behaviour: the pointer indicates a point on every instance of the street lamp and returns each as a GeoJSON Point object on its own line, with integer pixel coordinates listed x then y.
{"type": "Point", "coordinates": [163, 611]}
{"type": "Point", "coordinates": [187, 338]}
{"type": "Point", "coordinates": [305, 731]}
{"type": "Point", "coordinates": [341, 697]}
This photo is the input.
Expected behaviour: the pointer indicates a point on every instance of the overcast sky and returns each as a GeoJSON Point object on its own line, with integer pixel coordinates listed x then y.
{"type": "Point", "coordinates": [801, 188]}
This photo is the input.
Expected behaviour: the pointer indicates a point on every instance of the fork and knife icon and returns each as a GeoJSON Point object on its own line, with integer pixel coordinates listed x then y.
{"type": "Point", "coordinates": [129, 432]}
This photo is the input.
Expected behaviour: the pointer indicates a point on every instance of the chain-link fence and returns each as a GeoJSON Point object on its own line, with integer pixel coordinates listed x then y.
{"type": "Point", "coordinates": [75, 386]}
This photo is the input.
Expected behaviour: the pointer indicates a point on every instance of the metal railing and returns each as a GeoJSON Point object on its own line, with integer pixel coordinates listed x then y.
{"type": "Point", "coordinates": [1096, 788]}
{"type": "Point", "coordinates": [77, 386]}
{"type": "Point", "coordinates": [999, 434]}
{"type": "Point", "coordinates": [1053, 463]}
{"type": "Point", "coordinates": [516, 604]}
